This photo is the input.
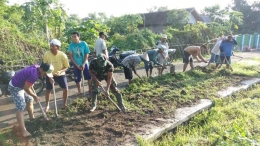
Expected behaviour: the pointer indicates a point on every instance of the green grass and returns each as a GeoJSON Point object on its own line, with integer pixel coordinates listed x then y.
{"type": "Point", "coordinates": [232, 121]}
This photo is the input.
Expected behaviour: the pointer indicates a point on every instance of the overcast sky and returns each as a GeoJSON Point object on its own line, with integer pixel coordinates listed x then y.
{"type": "Point", "coordinates": [121, 7]}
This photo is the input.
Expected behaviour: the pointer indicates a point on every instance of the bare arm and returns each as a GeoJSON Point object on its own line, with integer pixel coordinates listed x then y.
{"type": "Point", "coordinates": [85, 59]}
{"type": "Point", "coordinates": [109, 80]}
{"type": "Point", "coordinates": [71, 58]}
{"type": "Point", "coordinates": [133, 68]}
{"type": "Point", "coordinates": [93, 76]}
{"type": "Point", "coordinates": [27, 88]}
{"type": "Point", "coordinates": [200, 56]}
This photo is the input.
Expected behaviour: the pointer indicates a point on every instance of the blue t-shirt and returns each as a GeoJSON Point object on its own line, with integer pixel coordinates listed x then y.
{"type": "Point", "coordinates": [79, 51]}
{"type": "Point", "coordinates": [227, 47]}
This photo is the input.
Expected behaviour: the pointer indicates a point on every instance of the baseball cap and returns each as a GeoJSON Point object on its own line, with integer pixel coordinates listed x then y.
{"type": "Point", "coordinates": [56, 42]}
{"type": "Point", "coordinates": [48, 68]}
{"type": "Point", "coordinates": [101, 59]}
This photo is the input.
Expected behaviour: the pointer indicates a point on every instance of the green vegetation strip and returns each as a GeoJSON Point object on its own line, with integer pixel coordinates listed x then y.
{"type": "Point", "coordinates": [232, 121]}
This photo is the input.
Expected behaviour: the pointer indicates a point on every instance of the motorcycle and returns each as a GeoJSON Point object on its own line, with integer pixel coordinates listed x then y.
{"type": "Point", "coordinates": [70, 71]}
{"type": "Point", "coordinates": [6, 76]}
{"type": "Point", "coordinates": [115, 60]}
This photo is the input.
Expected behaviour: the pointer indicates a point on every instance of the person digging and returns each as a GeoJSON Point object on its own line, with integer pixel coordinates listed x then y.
{"type": "Point", "coordinates": [226, 49]}
{"type": "Point", "coordinates": [130, 62]}
{"type": "Point", "coordinates": [23, 96]}
{"type": "Point", "coordinates": [190, 52]}
{"type": "Point", "coordinates": [153, 55]}
{"type": "Point", "coordinates": [101, 69]}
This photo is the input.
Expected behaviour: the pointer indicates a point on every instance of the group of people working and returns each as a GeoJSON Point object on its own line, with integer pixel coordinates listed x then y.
{"type": "Point", "coordinates": [55, 63]}
{"type": "Point", "coordinates": [53, 67]}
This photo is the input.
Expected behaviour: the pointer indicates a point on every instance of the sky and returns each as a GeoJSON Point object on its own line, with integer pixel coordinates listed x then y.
{"type": "Point", "coordinates": [121, 7]}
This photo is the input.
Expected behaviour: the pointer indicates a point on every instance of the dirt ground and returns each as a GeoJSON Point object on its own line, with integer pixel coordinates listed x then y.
{"type": "Point", "coordinates": [102, 127]}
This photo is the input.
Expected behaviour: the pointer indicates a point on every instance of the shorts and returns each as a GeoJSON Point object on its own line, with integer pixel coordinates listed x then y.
{"type": "Point", "coordinates": [128, 73]}
{"type": "Point", "coordinates": [214, 58]}
{"type": "Point", "coordinates": [61, 80]}
{"type": "Point", "coordinates": [77, 74]}
{"type": "Point", "coordinates": [187, 57]}
{"type": "Point", "coordinates": [95, 87]}
{"type": "Point", "coordinates": [148, 65]}
{"type": "Point", "coordinates": [19, 96]}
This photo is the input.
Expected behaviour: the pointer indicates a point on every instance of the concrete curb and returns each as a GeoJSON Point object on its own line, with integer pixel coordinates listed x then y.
{"type": "Point", "coordinates": [160, 126]}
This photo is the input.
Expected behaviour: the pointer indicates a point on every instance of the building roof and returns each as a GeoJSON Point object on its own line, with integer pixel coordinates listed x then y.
{"type": "Point", "coordinates": [160, 18]}
{"type": "Point", "coordinates": [206, 19]}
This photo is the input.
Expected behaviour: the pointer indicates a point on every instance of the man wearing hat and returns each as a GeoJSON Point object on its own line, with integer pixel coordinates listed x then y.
{"type": "Point", "coordinates": [101, 69]}
{"type": "Point", "coordinates": [163, 56]}
{"type": "Point", "coordinates": [100, 45]}
{"type": "Point", "coordinates": [226, 49]}
{"type": "Point", "coordinates": [130, 62]}
{"type": "Point", "coordinates": [78, 53]}
{"type": "Point", "coordinates": [60, 62]}
{"type": "Point", "coordinates": [22, 94]}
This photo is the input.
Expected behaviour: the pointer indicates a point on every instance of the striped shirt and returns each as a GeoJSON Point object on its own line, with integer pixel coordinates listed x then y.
{"type": "Point", "coordinates": [29, 74]}
{"type": "Point", "coordinates": [131, 60]}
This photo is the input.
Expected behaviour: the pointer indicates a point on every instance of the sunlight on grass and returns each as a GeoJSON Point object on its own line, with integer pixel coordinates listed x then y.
{"type": "Point", "coordinates": [233, 121]}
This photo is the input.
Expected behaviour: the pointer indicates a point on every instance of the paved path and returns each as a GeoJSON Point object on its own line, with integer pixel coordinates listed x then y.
{"type": "Point", "coordinates": [7, 110]}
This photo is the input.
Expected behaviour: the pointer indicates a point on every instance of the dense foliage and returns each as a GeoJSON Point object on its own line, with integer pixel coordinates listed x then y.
{"type": "Point", "coordinates": [36, 22]}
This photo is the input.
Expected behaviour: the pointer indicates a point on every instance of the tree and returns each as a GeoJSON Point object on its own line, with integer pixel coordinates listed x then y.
{"type": "Point", "coordinates": [42, 14]}
{"type": "Point", "coordinates": [178, 18]}
{"type": "Point", "coordinates": [152, 9]}
{"type": "Point", "coordinates": [251, 17]}
{"type": "Point", "coordinates": [216, 14]}
{"type": "Point", "coordinates": [124, 24]}
{"type": "Point", "coordinates": [164, 8]}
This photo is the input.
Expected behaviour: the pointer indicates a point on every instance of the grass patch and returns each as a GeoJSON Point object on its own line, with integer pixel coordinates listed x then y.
{"type": "Point", "coordinates": [232, 121]}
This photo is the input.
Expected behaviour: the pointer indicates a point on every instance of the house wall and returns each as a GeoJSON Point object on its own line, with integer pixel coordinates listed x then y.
{"type": "Point", "coordinates": [192, 19]}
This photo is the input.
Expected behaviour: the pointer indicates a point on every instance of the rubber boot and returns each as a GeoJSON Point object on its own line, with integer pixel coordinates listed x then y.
{"type": "Point", "coordinates": [93, 102]}
{"type": "Point", "coordinates": [120, 101]}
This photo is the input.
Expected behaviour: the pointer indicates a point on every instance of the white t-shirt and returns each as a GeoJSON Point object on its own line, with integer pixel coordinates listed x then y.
{"type": "Point", "coordinates": [219, 39]}
{"type": "Point", "coordinates": [100, 45]}
{"type": "Point", "coordinates": [216, 49]}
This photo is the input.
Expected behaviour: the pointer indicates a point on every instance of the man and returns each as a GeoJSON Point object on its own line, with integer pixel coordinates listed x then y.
{"type": "Point", "coordinates": [100, 45]}
{"type": "Point", "coordinates": [226, 48]}
{"type": "Point", "coordinates": [101, 69]}
{"type": "Point", "coordinates": [60, 62]}
{"type": "Point", "coordinates": [162, 57]}
{"type": "Point", "coordinates": [153, 55]}
{"type": "Point", "coordinates": [190, 52]}
{"type": "Point", "coordinates": [220, 38]}
{"type": "Point", "coordinates": [21, 91]}
{"type": "Point", "coordinates": [78, 53]}
{"type": "Point", "coordinates": [130, 63]}
{"type": "Point", "coordinates": [215, 53]}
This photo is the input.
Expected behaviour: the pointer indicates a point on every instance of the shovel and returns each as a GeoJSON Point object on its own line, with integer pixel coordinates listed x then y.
{"type": "Point", "coordinates": [82, 78]}
{"type": "Point", "coordinates": [119, 109]}
{"type": "Point", "coordinates": [43, 112]}
{"type": "Point", "coordinates": [55, 103]}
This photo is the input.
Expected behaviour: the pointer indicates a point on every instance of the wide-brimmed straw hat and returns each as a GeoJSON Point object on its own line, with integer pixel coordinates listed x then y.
{"type": "Point", "coordinates": [145, 56]}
